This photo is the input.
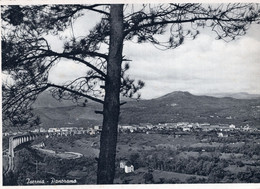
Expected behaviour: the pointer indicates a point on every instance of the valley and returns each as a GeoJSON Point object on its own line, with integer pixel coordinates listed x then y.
{"type": "Point", "coordinates": [176, 138]}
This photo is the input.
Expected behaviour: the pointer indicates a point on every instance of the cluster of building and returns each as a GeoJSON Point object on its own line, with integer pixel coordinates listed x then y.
{"type": "Point", "coordinates": [60, 131]}
{"type": "Point", "coordinates": [182, 127]}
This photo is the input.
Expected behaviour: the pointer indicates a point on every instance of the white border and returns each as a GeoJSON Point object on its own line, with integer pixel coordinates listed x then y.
{"type": "Point", "coordinates": [129, 186]}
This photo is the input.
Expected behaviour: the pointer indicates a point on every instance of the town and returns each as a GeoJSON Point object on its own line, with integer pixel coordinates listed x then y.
{"type": "Point", "coordinates": [170, 128]}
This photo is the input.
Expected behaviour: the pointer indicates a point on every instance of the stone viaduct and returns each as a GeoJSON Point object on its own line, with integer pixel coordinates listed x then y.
{"type": "Point", "coordinates": [15, 141]}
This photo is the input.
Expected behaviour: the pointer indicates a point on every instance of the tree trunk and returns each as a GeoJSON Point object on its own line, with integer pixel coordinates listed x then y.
{"type": "Point", "coordinates": [108, 139]}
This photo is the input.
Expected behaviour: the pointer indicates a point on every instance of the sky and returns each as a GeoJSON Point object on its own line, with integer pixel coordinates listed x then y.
{"type": "Point", "coordinates": [201, 66]}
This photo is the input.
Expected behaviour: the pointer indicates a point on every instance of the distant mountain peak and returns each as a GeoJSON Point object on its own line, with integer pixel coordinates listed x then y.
{"type": "Point", "coordinates": [181, 92]}
{"type": "Point", "coordinates": [176, 94]}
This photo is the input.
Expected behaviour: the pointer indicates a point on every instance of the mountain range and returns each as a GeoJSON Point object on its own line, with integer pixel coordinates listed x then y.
{"type": "Point", "coordinates": [173, 107]}
{"type": "Point", "coordinates": [241, 95]}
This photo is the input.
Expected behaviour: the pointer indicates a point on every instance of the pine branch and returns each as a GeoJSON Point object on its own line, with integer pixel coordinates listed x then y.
{"type": "Point", "coordinates": [75, 92]}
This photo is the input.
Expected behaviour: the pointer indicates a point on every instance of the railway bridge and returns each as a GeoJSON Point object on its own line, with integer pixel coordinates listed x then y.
{"type": "Point", "coordinates": [15, 141]}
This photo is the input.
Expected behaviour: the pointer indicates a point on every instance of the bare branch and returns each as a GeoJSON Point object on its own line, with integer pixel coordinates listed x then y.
{"type": "Point", "coordinates": [75, 92]}
{"type": "Point", "coordinates": [122, 103]}
{"type": "Point", "coordinates": [92, 8]}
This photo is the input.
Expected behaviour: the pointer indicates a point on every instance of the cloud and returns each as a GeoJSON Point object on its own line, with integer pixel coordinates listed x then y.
{"type": "Point", "coordinates": [202, 65]}
{"type": "Point", "coordinates": [65, 71]}
{"type": "Point", "coordinates": [199, 66]}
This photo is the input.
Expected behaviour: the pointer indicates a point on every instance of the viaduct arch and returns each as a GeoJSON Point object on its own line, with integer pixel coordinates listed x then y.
{"type": "Point", "coordinates": [15, 141]}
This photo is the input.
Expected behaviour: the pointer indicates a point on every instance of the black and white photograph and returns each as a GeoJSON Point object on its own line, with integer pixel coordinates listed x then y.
{"type": "Point", "coordinates": [155, 94]}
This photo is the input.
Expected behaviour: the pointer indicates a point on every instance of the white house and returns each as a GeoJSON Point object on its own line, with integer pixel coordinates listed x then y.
{"type": "Point", "coordinates": [53, 130]}
{"type": "Point", "coordinates": [149, 126]}
{"type": "Point", "coordinates": [37, 130]}
{"type": "Point", "coordinates": [246, 128]}
{"type": "Point", "coordinates": [42, 130]}
{"type": "Point", "coordinates": [222, 135]}
{"type": "Point", "coordinates": [122, 164]}
{"type": "Point", "coordinates": [186, 129]}
{"type": "Point", "coordinates": [132, 130]}
{"type": "Point", "coordinates": [125, 127]}
{"type": "Point", "coordinates": [98, 127]}
{"type": "Point", "coordinates": [64, 131]}
{"type": "Point", "coordinates": [129, 168]}
{"type": "Point", "coordinates": [91, 131]}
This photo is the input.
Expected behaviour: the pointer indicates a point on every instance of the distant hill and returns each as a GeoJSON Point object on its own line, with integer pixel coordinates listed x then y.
{"type": "Point", "coordinates": [183, 106]}
{"type": "Point", "coordinates": [45, 100]}
{"type": "Point", "coordinates": [242, 95]}
{"type": "Point", "coordinates": [173, 107]}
